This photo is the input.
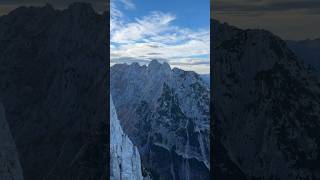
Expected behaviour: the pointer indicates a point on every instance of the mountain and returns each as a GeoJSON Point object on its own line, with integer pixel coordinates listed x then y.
{"type": "Point", "coordinates": [308, 51]}
{"type": "Point", "coordinates": [10, 168]}
{"type": "Point", "coordinates": [165, 112]}
{"type": "Point", "coordinates": [266, 108]}
{"type": "Point", "coordinates": [206, 78]}
{"type": "Point", "coordinates": [53, 71]}
{"type": "Point", "coordinates": [125, 160]}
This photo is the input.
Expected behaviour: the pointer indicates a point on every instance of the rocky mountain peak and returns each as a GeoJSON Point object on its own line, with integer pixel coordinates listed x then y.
{"type": "Point", "coordinates": [166, 114]}
{"type": "Point", "coordinates": [262, 121]}
{"type": "Point", "coordinates": [157, 66]}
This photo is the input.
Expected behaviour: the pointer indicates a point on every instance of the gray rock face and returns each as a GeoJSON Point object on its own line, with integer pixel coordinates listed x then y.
{"type": "Point", "coordinates": [125, 163]}
{"type": "Point", "coordinates": [266, 108]}
{"type": "Point", "coordinates": [166, 115]}
{"type": "Point", "coordinates": [10, 168]}
{"type": "Point", "coordinates": [53, 66]}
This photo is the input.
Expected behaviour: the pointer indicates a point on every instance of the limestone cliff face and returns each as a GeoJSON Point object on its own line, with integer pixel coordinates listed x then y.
{"type": "Point", "coordinates": [165, 112]}
{"type": "Point", "coordinates": [125, 163]}
{"type": "Point", "coordinates": [10, 168]}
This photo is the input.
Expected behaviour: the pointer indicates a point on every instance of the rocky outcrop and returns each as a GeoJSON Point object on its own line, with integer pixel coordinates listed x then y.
{"type": "Point", "coordinates": [266, 108]}
{"type": "Point", "coordinates": [53, 67]}
{"type": "Point", "coordinates": [165, 112]}
{"type": "Point", "coordinates": [125, 160]}
{"type": "Point", "coordinates": [10, 168]}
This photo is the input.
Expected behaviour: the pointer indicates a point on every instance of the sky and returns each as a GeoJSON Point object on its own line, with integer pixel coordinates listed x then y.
{"type": "Point", "coordinates": [8, 5]}
{"type": "Point", "coordinates": [289, 19]}
{"type": "Point", "coordinates": [175, 31]}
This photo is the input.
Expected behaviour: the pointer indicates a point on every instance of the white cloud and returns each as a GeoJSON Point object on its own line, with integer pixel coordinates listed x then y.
{"type": "Point", "coordinates": [148, 26]}
{"type": "Point", "coordinates": [128, 4]}
{"type": "Point", "coordinates": [155, 36]}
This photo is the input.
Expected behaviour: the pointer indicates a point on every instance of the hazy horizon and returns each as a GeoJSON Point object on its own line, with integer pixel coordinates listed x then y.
{"type": "Point", "coordinates": [145, 63]}
{"type": "Point", "coordinates": [291, 20]}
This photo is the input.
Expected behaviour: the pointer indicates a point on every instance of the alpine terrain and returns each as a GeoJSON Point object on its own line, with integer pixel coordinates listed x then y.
{"type": "Point", "coordinates": [53, 67]}
{"type": "Point", "coordinates": [165, 112]}
{"type": "Point", "coordinates": [266, 108]}
{"type": "Point", "coordinates": [124, 157]}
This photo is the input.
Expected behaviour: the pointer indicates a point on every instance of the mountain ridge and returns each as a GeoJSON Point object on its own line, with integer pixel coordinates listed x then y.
{"type": "Point", "coordinates": [53, 68]}
{"type": "Point", "coordinates": [262, 125]}
{"type": "Point", "coordinates": [154, 97]}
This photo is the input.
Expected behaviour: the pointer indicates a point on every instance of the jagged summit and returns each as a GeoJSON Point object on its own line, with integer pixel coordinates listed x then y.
{"type": "Point", "coordinates": [158, 66]}
{"type": "Point", "coordinates": [166, 114]}
{"type": "Point", "coordinates": [157, 61]}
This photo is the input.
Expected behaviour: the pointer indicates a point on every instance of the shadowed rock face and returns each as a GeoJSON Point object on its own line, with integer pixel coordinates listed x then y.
{"type": "Point", "coordinates": [266, 108]}
{"type": "Point", "coordinates": [53, 65]}
{"type": "Point", "coordinates": [10, 168]}
{"type": "Point", "coordinates": [165, 112]}
{"type": "Point", "coordinates": [125, 163]}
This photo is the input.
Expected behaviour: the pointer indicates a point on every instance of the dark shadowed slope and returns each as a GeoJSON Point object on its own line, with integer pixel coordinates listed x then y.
{"type": "Point", "coordinates": [53, 66]}
{"type": "Point", "coordinates": [10, 168]}
{"type": "Point", "coordinates": [266, 106]}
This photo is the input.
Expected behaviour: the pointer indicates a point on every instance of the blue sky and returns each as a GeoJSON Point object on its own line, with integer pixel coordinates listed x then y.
{"type": "Point", "coordinates": [177, 31]}
{"type": "Point", "coordinates": [188, 13]}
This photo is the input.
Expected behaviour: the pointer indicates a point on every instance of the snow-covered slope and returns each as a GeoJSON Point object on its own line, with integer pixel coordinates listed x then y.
{"type": "Point", "coordinates": [10, 168]}
{"type": "Point", "coordinates": [165, 112]}
{"type": "Point", "coordinates": [124, 156]}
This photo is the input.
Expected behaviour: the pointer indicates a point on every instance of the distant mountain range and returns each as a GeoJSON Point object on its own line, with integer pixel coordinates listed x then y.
{"type": "Point", "coordinates": [53, 70]}
{"type": "Point", "coordinates": [308, 51]}
{"type": "Point", "coordinates": [266, 107]}
{"type": "Point", "coordinates": [165, 112]}
{"type": "Point", "coordinates": [206, 78]}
